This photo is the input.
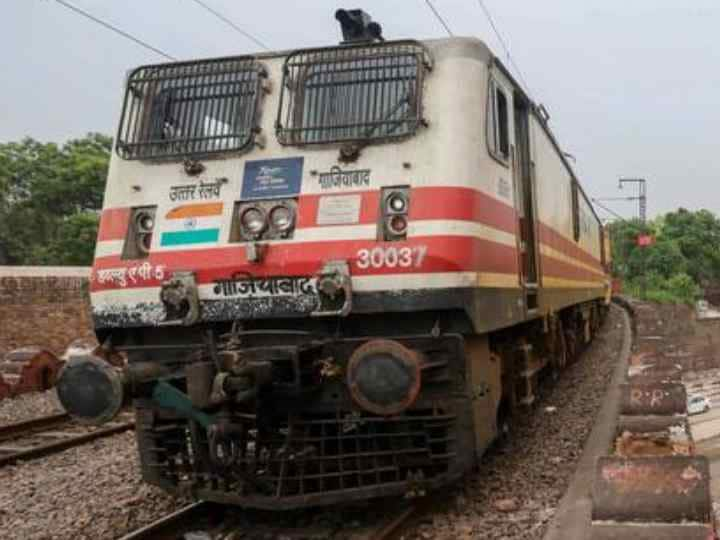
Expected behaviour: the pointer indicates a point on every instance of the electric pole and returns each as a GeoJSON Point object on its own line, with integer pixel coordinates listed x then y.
{"type": "Point", "coordinates": [642, 212]}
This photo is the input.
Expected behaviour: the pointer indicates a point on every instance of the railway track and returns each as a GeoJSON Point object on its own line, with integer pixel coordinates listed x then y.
{"type": "Point", "coordinates": [218, 522]}
{"type": "Point", "coordinates": [39, 437]}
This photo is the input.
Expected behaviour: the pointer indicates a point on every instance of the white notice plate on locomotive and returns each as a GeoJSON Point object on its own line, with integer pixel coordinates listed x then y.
{"type": "Point", "coordinates": [339, 209]}
{"type": "Point", "coordinates": [270, 287]}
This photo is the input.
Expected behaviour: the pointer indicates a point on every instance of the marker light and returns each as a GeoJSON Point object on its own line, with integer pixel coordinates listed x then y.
{"type": "Point", "coordinates": [398, 224]}
{"type": "Point", "coordinates": [145, 223]}
{"type": "Point", "coordinates": [396, 202]}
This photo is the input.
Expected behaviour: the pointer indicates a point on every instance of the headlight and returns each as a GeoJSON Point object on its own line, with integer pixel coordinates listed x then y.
{"type": "Point", "coordinates": [253, 220]}
{"type": "Point", "coordinates": [396, 202]}
{"type": "Point", "coordinates": [281, 217]}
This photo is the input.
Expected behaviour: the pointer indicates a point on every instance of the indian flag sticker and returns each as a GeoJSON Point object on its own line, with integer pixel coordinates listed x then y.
{"type": "Point", "coordinates": [192, 224]}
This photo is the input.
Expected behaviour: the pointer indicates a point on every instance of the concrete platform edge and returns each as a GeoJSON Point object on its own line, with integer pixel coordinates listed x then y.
{"type": "Point", "coordinates": [572, 517]}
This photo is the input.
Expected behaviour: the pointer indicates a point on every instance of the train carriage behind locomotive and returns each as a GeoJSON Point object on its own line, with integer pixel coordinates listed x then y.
{"type": "Point", "coordinates": [333, 271]}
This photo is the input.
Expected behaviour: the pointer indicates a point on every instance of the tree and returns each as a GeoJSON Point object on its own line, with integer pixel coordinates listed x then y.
{"type": "Point", "coordinates": [50, 197]}
{"type": "Point", "coordinates": [623, 237]}
{"type": "Point", "coordinates": [697, 235]}
{"type": "Point", "coordinates": [663, 258]}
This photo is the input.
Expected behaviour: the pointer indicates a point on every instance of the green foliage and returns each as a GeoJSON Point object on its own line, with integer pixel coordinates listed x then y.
{"type": "Point", "coordinates": [685, 256]}
{"type": "Point", "coordinates": [678, 289]}
{"type": "Point", "coordinates": [50, 197]}
{"type": "Point", "coordinates": [697, 235]}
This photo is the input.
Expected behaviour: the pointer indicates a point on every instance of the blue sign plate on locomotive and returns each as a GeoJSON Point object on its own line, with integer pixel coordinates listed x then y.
{"type": "Point", "coordinates": [265, 178]}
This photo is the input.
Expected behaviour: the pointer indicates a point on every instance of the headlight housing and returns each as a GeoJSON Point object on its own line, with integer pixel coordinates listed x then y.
{"type": "Point", "coordinates": [140, 233]}
{"type": "Point", "coordinates": [271, 219]}
{"type": "Point", "coordinates": [394, 207]}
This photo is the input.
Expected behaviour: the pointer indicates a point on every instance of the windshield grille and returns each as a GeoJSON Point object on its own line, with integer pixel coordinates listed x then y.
{"type": "Point", "coordinates": [352, 93]}
{"type": "Point", "coordinates": [189, 108]}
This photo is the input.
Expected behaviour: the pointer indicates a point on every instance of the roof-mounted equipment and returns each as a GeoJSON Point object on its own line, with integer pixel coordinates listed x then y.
{"type": "Point", "coordinates": [357, 26]}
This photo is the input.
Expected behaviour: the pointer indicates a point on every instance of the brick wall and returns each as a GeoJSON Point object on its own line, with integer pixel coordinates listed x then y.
{"type": "Point", "coordinates": [43, 306]}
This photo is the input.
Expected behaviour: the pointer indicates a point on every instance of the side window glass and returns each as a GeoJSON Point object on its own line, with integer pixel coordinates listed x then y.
{"type": "Point", "coordinates": [498, 132]}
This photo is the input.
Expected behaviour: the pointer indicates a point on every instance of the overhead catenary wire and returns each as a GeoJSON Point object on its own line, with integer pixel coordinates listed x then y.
{"type": "Point", "coordinates": [439, 17]}
{"type": "Point", "coordinates": [504, 44]}
{"type": "Point", "coordinates": [608, 210]}
{"type": "Point", "coordinates": [231, 24]}
{"type": "Point", "coordinates": [115, 29]}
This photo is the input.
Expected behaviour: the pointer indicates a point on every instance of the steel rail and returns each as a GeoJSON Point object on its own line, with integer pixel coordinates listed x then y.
{"type": "Point", "coordinates": [42, 422]}
{"type": "Point", "coordinates": [168, 526]}
{"type": "Point", "coordinates": [392, 526]}
{"type": "Point", "coordinates": [64, 443]}
{"type": "Point", "coordinates": [189, 517]}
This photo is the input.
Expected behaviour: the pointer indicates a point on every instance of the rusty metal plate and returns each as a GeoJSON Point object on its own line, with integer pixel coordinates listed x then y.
{"type": "Point", "coordinates": [653, 372]}
{"type": "Point", "coordinates": [674, 441]}
{"type": "Point", "coordinates": [662, 489]}
{"type": "Point", "coordinates": [651, 531]}
{"type": "Point", "coordinates": [653, 398]}
{"type": "Point", "coordinates": [652, 344]}
{"type": "Point", "coordinates": [649, 424]}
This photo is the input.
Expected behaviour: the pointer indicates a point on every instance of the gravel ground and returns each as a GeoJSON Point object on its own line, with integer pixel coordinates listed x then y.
{"type": "Point", "coordinates": [95, 491]}
{"type": "Point", "coordinates": [89, 492]}
{"type": "Point", "coordinates": [27, 406]}
{"type": "Point", "coordinates": [518, 487]}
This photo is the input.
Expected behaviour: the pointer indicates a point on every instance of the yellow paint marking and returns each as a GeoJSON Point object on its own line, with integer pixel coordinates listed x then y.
{"type": "Point", "coordinates": [494, 279]}
{"type": "Point", "coordinates": [553, 282]}
{"type": "Point", "coordinates": [555, 254]}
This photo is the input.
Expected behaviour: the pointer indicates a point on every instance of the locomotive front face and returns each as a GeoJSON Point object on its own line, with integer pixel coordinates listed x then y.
{"type": "Point", "coordinates": [287, 255]}
{"type": "Point", "coordinates": [308, 185]}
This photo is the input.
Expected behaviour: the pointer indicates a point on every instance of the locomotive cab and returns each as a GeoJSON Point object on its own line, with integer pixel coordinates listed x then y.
{"type": "Point", "coordinates": [330, 269]}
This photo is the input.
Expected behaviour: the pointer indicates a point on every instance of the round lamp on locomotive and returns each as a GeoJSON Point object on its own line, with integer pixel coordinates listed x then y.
{"type": "Point", "coordinates": [90, 389]}
{"type": "Point", "coordinates": [383, 377]}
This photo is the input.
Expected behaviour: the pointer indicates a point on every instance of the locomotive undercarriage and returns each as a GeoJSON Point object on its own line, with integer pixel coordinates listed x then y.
{"type": "Point", "coordinates": [268, 415]}
{"type": "Point", "coordinates": [302, 439]}
{"type": "Point", "coordinates": [294, 435]}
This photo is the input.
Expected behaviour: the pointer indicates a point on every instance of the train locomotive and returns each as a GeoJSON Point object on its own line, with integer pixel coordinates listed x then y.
{"type": "Point", "coordinates": [335, 273]}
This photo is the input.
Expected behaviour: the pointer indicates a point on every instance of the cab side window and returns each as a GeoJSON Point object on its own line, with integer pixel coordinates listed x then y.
{"type": "Point", "coordinates": [498, 129]}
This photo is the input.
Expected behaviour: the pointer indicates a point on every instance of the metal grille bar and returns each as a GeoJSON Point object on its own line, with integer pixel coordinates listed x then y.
{"type": "Point", "coordinates": [352, 93]}
{"type": "Point", "coordinates": [190, 108]}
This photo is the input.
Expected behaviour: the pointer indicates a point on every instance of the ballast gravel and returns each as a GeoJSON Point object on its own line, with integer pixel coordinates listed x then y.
{"type": "Point", "coordinates": [95, 491]}
{"type": "Point", "coordinates": [28, 406]}
{"type": "Point", "coordinates": [91, 492]}
{"type": "Point", "coordinates": [515, 492]}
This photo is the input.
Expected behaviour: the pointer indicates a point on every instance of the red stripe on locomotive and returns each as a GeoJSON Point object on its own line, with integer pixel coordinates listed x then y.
{"type": "Point", "coordinates": [444, 254]}
{"type": "Point", "coordinates": [113, 224]}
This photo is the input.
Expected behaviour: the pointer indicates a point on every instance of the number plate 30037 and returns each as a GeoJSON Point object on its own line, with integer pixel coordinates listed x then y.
{"type": "Point", "coordinates": [391, 257]}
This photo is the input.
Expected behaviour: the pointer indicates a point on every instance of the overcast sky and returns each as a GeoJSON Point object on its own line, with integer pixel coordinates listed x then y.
{"type": "Point", "coordinates": [632, 86]}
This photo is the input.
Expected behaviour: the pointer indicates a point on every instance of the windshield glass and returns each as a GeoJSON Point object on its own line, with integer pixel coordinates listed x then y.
{"type": "Point", "coordinates": [351, 93]}
{"type": "Point", "coordinates": [189, 108]}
